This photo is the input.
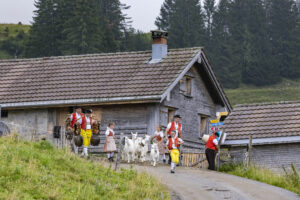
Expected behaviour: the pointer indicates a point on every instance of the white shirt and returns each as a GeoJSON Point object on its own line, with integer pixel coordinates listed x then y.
{"type": "Point", "coordinates": [215, 141]}
{"type": "Point", "coordinates": [78, 116]}
{"type": "Point", "coordinates": [176, 127]}
{"type": "Point", "coordinates": [161, 134]}
{"type": "Point", "coordinates": [173, 142]}
{"type": "Point", "coordinates": [88, 122]}
{"type": "Point", "coordinates": [109, 130]}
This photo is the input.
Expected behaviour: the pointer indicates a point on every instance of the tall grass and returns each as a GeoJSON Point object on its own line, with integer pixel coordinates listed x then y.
{"type": "Point", "coordinates": [289, 180]}
{"type": "Point", "coordinates": [39, 171]}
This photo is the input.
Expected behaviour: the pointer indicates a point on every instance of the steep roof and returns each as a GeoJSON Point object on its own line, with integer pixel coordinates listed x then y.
{"type": "Point", "coordinates": [106, 77]}
{"type": "Point", "coordinates": [265, 120]}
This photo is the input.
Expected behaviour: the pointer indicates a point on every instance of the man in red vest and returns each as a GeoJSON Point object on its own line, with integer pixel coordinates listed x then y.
{"type": "Point", "coordinates": [73, 120]}
{"type": "Point", "coordinates": [176, 126]}
{"type": "Point", "coordinates": [86, 131]}
{"type": "Point", "coordinates": [172, 146]}
{"type": "Point", "coordinates": [211, 149]}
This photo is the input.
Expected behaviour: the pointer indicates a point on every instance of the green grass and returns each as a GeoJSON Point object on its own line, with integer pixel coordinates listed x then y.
{"type": "Point", "coordinates": [13, 30]}
{"type": "Point", "coordinates": [39, 171]}
{"type": "Point", "coordinates": [290, 180]}
{"type": "Point", "coordinates": [287, 90]}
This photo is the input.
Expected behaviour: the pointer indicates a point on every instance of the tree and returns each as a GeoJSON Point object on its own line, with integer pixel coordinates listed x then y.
{"type": "Point", "coordinates": [163, 21]}
{"type": "Point", "coordinates": [43, 37]}
{"type": "Point", "coordinates": [82, 33]}
{"type": "Point", "coordinates": [209, 11]}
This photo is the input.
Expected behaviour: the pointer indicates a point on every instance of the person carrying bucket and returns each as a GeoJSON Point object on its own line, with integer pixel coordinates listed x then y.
{"type": "Point", "coordinates": [86, 131]}
{"type": "Point", "coordinates": [211, 149]}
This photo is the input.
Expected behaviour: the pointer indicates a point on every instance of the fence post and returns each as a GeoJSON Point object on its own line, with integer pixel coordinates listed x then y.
{"type": "Point", "coordinates": [118, 160]}
{"type": "Point", "coordinates": [249, 151]}
{"type": "Point", "coordinates": [0, 112]}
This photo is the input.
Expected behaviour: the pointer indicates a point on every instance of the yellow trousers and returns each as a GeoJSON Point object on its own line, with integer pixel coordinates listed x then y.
{"type": "Point", "coordinates": [86, 135]}
{"type": "Point", "coordinates": [175, 155]}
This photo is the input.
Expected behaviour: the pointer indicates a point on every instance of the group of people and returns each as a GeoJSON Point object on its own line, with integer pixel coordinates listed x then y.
{"type": "Point", "coordinates": [86, 121]}
{"type": "Point", "coordinates": [169, 140]}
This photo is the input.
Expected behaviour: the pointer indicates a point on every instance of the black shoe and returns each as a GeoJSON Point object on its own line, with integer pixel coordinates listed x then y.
{"type": "Point", "coordinates": [112, 160]}
{"type": "Point", "coordinates": [169, 162]}
{"type": "Point", "coordinates": [108, 159]}
{"type": "Point", "coordinates": [172, 171]}
{"type": "Point", "coordinates": [164, 160]}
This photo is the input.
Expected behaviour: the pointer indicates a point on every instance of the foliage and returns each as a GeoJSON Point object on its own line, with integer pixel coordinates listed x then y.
{"type": "Point", "coordinates": [289, 180]}
{"type": "Point", "coordinates": [254, 42]}
{"type": "Point", "coordinates": [12, 40]}
{"type": "Point", "coordinates": [40, 171]}
{"type": "Point", "coordinates": [287, 90]}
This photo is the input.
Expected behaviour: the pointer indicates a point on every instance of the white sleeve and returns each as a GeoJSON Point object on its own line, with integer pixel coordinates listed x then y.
{"type": "Point", "coordinates": [181, 128]}
{"type": "Point", "coordinates": [215, 141]}
{"type": "Point", "coordinates": [79, 121]}
{"type": "Point", "coordinates": [180, 140]}
{"type": "Point", "coordinates": [167, 143]}
{"type": "Point", "coordinates": [169, 125]}
{"type": "Point", "coordinates": [107, 132]}
{"type": "Point", "coordinates": [71, 118]}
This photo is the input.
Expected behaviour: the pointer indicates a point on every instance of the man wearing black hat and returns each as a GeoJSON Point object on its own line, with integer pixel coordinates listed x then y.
{"type": "Point", "coordinates": [86, 131]}
{"type": "Point", "coordinates": [176, 126]}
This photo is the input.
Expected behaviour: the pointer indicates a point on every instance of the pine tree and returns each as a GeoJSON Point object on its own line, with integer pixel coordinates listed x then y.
{"type": "Point", "coordinates": [163, 21]}
{"type": "Point", "coordinates": [221, 50]}
{"type": "Point", "coordinates": [113, 23]}
{"type": "Point", "coordinates": [186, 24]}
{"type": "Point", "coordinates": [282, 29]}
{"type": "Point", "coordinates": [209, 11]}
{"type": "Point", "coordinates": [82, 33]}
{"type": "Point", "coordinates": [43, 39]}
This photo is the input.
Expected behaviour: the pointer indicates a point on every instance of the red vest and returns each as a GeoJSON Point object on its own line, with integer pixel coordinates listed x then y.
{"type": "Point", "coordinates": [210, 144]}
{"type": "Point", "coordinates": [74, 119]}
{"type": "Point", "coordinates": [173, 128]}
{"type": "Point", "coordinates": [110, 133]}
{"type": "Point", "coordinates": [158, 138]}
{"type": "Point", "coordinates": [83, 124]}
{"type": "Point", "coordinates": [171, 143]}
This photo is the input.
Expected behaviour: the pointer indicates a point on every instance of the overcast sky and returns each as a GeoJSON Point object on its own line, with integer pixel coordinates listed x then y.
{"type": "Point", "coordinates": [142, 12]}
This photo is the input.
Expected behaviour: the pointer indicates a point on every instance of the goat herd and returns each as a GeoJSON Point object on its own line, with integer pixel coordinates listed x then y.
{"type": "Point", "coordinates": [136, 149]}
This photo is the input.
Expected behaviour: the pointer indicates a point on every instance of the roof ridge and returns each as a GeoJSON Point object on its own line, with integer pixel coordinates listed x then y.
{"type": "Point", "coordinates": [91, 55]}
{"type": "Point", "coordinates": [266, 103]}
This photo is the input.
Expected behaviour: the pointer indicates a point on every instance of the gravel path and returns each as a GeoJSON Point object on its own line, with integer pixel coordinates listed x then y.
{"type": "Point", "coordinates": [189, 184]}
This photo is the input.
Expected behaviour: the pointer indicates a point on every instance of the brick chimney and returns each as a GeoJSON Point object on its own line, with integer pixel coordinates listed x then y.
{"type": "Point", "coordinates": [159, 45]}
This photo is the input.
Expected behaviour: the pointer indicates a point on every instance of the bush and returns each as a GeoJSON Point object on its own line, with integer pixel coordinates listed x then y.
{"type": "Point", "coordinates": [289, 180]}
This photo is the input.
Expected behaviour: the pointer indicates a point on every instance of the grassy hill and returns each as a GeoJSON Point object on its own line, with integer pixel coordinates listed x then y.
{"type": "Point", "coordinates": [12, 36]}
{"type": "Point", "coordinates": [287, 90]}
{"type": "Point", "coordinates": [39, 171]}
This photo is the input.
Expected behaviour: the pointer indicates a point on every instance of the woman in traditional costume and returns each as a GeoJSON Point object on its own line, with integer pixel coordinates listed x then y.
{"type": "Point", "coordinates": [110, 145]}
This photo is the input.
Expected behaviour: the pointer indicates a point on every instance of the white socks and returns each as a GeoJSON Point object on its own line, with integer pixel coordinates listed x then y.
{"type": "Point", "coordinates": [84, 152]}
{"type": "Point", "coordinates": [173, 165]}
{"type": "Point", "coordinates": [110, 155]}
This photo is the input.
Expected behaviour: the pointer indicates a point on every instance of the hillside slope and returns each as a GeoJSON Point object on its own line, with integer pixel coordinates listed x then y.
{"type": "Point", "coordinates": [39, 171]}
{"type": "Point", "coordinates": [287, 90]}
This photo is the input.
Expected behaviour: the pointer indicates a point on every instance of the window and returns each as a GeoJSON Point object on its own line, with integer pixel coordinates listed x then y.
{"type": "Point", "coordinates": [171, 113]}
{"type": "Point", "coordinates": [203, 125]}
{"type": "Point", "coordinates": [186, 86]}
{"type": "Point", "coordinates": [4, 113]}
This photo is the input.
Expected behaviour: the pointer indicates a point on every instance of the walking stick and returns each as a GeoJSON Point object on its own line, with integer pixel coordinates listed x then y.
{"type": "Point", "coordinates": [117, 167]}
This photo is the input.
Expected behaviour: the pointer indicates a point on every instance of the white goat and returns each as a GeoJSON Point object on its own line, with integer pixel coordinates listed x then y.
{"type": "Point", "coordinates": [129, 150]}
{"type": "Point", "coordinates": [145, 148]}
{"type": "Point", "coordinates": [154, 154]}
{"type": "Point", "coordinates": [139, 144]}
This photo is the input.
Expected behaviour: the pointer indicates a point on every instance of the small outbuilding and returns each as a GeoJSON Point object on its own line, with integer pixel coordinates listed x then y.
{"type": "Point", "coordinates": [275, 131]}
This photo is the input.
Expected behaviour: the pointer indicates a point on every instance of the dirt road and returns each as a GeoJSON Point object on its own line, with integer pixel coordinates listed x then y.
{"type": "Point", "coordinates": [190, 184]}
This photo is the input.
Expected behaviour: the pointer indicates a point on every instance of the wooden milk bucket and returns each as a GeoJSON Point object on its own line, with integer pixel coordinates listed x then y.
{"type": "Point", "coordinates": [205, 138]}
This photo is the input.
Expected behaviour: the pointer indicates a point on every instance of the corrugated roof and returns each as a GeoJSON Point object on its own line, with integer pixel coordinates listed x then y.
{"type": "Point", "coordinates": [266, 120]}
{"type": "Point", "coordinates": [107, 75]}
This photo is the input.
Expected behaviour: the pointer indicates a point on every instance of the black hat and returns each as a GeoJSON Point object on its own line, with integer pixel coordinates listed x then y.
{"type": "Point", "coordinates": [177, 116]}
{"type": "Point", "coordinates": [89, 111]}
{"type": "Point", "coordinates": [76, 107]}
